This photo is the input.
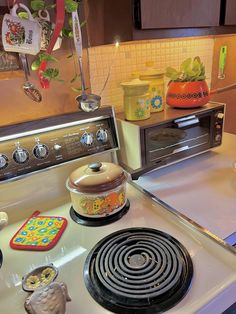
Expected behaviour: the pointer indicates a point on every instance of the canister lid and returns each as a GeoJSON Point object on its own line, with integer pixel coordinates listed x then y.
{"type": "Point", "coordinates": [151, 72]}
{"type": "Point", "coordinates": [135, 82]}
{"type": "Point", "coordinates": [96, 177]}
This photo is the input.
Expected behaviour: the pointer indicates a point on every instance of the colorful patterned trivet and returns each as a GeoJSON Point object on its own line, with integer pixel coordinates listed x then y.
{"type": "Point", "coordinates": [39, 233]}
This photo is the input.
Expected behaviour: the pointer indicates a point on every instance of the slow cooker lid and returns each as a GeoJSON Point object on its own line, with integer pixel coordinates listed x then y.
{"type": "Point", "coordinates": [97, 177]}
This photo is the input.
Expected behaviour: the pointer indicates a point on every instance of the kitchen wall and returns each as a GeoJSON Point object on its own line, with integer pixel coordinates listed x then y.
{"type": "Point", "coordinates": [230, 78]}
{"type": "Point", "coordinates": [58, 99]}
{"type": "Point", "coordinates": [114, 65]}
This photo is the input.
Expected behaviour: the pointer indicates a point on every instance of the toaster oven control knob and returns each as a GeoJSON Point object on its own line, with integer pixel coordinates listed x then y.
{"type": "Point", "coordinates": [102, 135]}
{"type": "Point", "coordinates": [86, 139]}
{"type": "Point", "coordinates": [3, 161]}
{"type": "Point", "coordinates": [220, 115]}
{"type": "Point", "coordinates": [40, 151]}
{"type": "Point", "coordinates": [218, 138]}
{"type": "Point", "coordinates": [20, 155]}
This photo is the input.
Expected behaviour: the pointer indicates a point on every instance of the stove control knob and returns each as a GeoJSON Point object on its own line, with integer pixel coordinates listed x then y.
{"type": "Point", "coordinates": [57, 147]}
{"type": "Point", "coordinates": [86, 139]}
{"type": "Point", "coordinates": [102, 135]}
{"type": "Point", "coordinates": [3, 161]}
{"type": "Point", "coordinates": [220, 115]}
{"type": "Point", "coordinates": [21, 155]}
{"type": "Point", "coordinates": [40, 151]}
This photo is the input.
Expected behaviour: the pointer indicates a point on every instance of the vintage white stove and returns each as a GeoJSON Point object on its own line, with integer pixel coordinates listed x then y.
{"type": "Point", "coordinates": [150, 260]}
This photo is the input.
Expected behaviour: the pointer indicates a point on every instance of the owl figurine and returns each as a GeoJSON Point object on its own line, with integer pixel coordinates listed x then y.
{"type": "Point", "coordinates": [48, 296]}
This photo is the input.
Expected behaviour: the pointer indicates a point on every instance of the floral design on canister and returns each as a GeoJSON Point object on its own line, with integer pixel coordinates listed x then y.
{"type": "Point", "coordinates": [16, 33]}
{"type": "Point", "coordinates": [157, 102]}
{"type": "Point", "coordinates": [142, 109]}
{"type": "Point", "coordinates": [157, 98]}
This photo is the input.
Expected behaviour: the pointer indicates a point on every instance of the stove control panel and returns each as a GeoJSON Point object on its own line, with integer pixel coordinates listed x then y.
{"type": "Point", "coordinates": [54, 141]}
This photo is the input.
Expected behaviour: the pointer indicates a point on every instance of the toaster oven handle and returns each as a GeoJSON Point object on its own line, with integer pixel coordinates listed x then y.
{"type": "Point", "coordinates": [186, 121]}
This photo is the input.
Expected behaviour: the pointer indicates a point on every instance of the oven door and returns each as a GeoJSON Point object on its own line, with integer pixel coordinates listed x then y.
{"type": "Point", "coordinates": [178, 139]}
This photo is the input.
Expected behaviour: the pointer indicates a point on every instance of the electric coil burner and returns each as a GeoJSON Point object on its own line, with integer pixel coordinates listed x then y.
{"type": "Point", "coordinates": [138, 270]}
{"type": "Point", "coordinates": [96, 222]}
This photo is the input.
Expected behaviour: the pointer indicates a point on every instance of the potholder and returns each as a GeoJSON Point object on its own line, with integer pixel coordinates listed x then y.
{"type": "Point", "coordinates": [39, 233]}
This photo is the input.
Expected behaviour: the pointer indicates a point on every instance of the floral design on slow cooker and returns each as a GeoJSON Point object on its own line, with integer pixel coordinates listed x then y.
{"type": "Point", "coordinates": [103, 205]}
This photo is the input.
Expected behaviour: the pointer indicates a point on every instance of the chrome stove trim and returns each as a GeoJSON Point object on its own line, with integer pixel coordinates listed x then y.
{"type": "Point", "coordinates": [116, 128]}
{"type": "Point", "coordinates": [51, 128]}
{"type": "Point", "coordinates": [185, 219]}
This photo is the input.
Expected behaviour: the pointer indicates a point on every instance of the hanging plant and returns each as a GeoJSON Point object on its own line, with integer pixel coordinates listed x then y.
{"type": "Point", "coordinates": [52, 73]}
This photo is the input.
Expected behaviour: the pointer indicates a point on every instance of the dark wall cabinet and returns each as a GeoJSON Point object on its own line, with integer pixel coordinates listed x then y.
{"type": "Point", "coordinates": [230, 12]}
{"type": "Point", "coordinates": [177, 14]}
{"type": "Point", "coordinates": [149, 19]}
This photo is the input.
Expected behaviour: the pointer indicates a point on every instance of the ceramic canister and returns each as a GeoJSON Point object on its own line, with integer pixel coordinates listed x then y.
{"type": "Point", "coordinates": [136, 100]}
{"type": "Point", "coordinates": [156, 88]}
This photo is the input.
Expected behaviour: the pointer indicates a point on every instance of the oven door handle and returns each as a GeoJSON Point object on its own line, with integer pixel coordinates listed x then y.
{"type": "Point", "coordinates": [186, 121]}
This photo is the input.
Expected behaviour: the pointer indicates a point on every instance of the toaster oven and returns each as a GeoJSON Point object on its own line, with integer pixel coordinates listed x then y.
{"type": "Point", "coordinates": [168, 137]}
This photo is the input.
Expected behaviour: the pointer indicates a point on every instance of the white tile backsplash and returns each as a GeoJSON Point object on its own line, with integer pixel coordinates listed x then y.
{"type": "Point", "coordinates": [116, 64]}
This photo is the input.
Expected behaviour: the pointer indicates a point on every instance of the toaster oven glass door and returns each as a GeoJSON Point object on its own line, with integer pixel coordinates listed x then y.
{"type": "Point", "coordinates": [180, 137]}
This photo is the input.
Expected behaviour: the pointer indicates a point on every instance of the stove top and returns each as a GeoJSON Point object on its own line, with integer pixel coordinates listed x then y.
{"type": "Point", "coordinates": [138, 270]}
{"type": "Point", "coordinates": [213, 284]}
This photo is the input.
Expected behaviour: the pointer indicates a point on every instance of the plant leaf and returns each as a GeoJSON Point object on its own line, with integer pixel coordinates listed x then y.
{"type": "Point", "coordinates": [83, 23]}
{"type": "Point", "coordinates": [71, 6]}
{"type": "Point", "coordinates": [196, 67]}
{"type": "Point", "coordinates": [46, 57]}
{"type": "Point", "coordinates": [23, 15]}
{"type": "Point", "coordinates": [67, 32]}
{"type": "Point", "coordinates": [201, 78]}
{"type": "Point", "coordinates": [35, 65]}
{"type": "Point", "coordinates": [70, 22]}
{"type": "Point", "coordinates": [59, 80]}
{"type": "Point", "coordinates": [37, 5]}
{"type": "Point", "coordinates": [185, 65]}
{"type": "Point", "coordinates": [51, 73]}
{"type": "Point", "coordinates": [202, 69]}
{"type": "Point", "coordinates": [172, 73]}
{"type": "Point", "coordinates": [75, 78]}
{"type": "Point", "coordinates": [197, 58]}
{"type": "Point", "coordinates": [76, 89]}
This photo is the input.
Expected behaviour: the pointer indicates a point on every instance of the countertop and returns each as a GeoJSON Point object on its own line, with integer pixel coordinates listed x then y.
{"type": "Point", "coordinates": [203, 187]}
